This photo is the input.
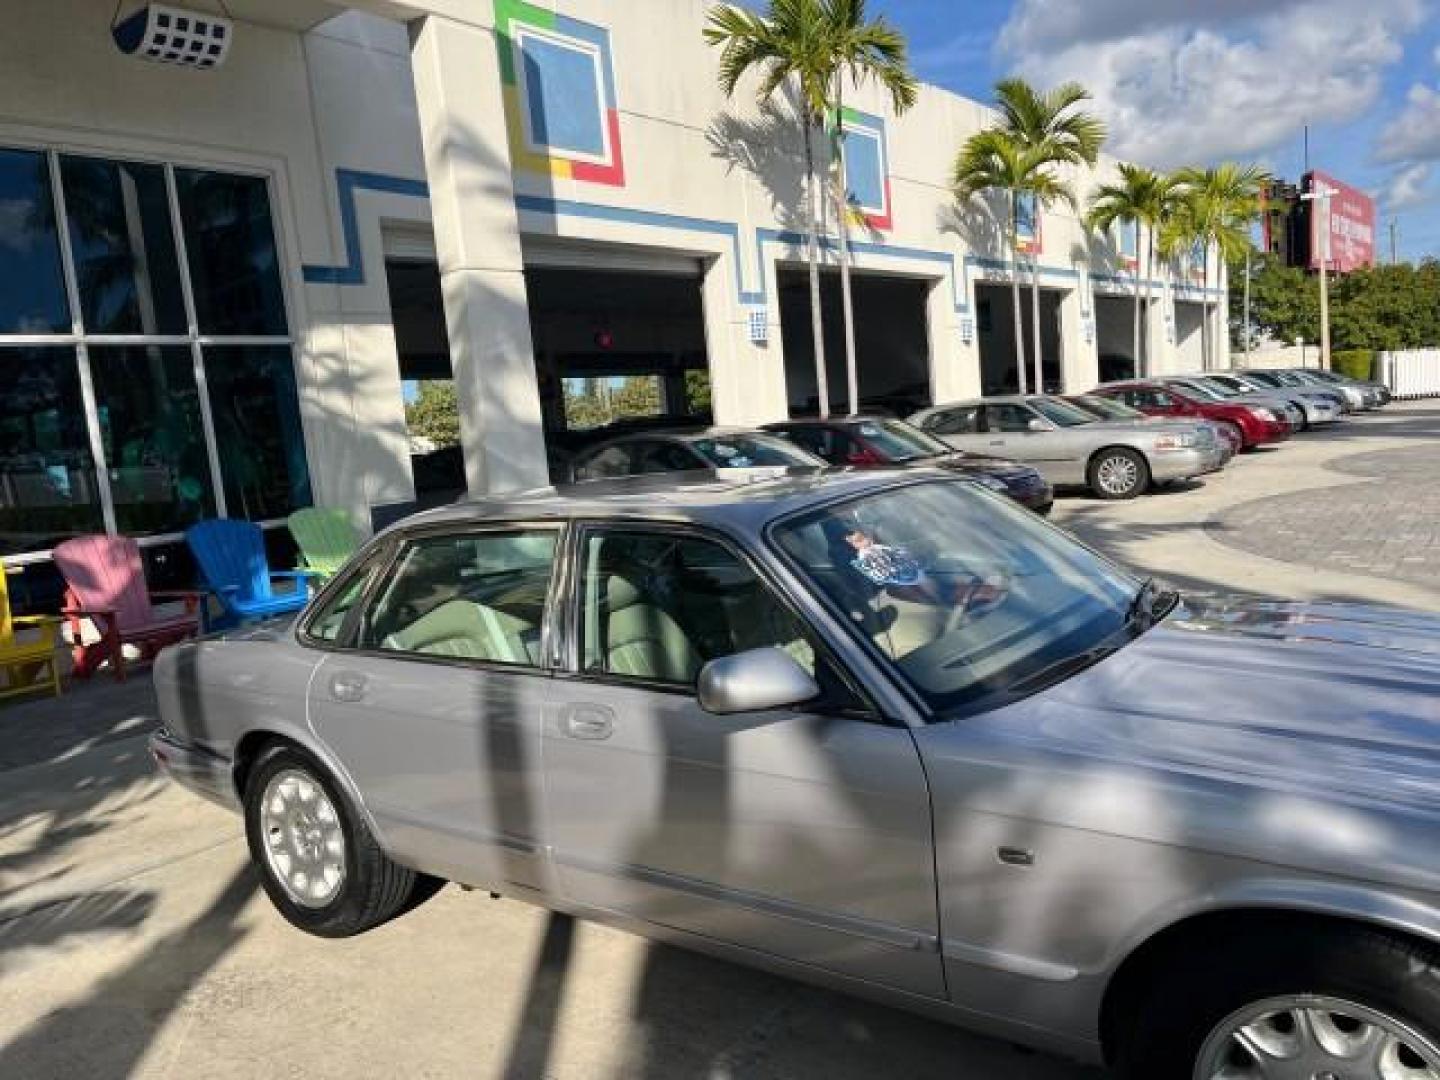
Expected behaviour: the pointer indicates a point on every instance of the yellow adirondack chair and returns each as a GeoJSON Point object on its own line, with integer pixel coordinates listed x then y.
{"type": "Point", "coordinates": [27, 650]}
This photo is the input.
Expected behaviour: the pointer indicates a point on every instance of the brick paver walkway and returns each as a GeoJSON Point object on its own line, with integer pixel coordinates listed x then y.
{"type": "Point", "coordinates": [1386, 525]}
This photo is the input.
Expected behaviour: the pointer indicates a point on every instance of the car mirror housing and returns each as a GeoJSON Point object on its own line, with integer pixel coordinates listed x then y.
{"type": "Point", "coordinates": [754, 680]}
{"type": "Point", "coordinates": [1036, 424]}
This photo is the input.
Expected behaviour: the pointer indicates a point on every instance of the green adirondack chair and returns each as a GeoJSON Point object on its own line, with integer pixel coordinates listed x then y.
{"type": "Point", "coordinates": [325, 538]}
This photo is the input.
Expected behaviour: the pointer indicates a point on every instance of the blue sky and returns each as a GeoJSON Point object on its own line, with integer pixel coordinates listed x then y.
{"type": "Point", "coordinates": [1195, 81]}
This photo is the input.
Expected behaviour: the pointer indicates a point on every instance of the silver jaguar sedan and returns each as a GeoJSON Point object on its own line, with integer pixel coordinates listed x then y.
{"type": "Point", "coordinates": [881, 731]}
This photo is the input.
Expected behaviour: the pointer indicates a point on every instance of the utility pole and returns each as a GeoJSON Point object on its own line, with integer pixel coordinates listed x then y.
{"type": "Point", "coordinates": [1394, 224]}
{"type": "Point", "coordinates": [1246, 330]}
{"type": "Point", "coordinates": [1321, 224]}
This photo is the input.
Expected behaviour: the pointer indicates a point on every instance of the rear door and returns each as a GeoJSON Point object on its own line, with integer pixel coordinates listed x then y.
{"type": "Point", "coordinates": [434, 706]}
{"type": "Point", "coordinates": [802, 833]}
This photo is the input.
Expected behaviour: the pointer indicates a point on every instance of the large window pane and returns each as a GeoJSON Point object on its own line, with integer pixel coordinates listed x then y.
{"type": "Point", "coordinates": [32, 285]}
{"type": "Point", "coordinates": [47, 476]}
{"type": "Point", "coordinates": [230, 245]}
{"type": "Point", "coordinates": [257, 426]}
{"type": "Point", "coordinates": [129, 277]}
{"type": "Point", "coordinates": [154, 440]}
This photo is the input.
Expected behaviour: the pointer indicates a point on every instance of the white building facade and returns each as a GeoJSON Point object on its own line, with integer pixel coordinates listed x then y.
{"type": "Point", "coordinates": [215, 284]}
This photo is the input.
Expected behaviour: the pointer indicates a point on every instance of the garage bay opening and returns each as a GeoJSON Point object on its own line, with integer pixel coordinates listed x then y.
{"type": "Point", "coordinates": [995, 326]}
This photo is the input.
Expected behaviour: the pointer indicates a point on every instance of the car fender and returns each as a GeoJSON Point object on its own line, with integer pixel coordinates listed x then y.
{"type": "Point", "coordinates": [1350, 900]}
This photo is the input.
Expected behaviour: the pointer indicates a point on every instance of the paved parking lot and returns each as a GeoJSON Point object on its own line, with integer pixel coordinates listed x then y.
{"type": "Point", "coordinates": [134, 941]}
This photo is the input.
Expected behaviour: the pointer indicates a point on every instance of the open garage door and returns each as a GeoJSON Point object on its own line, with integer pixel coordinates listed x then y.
{"type": "Point", "coordinates": [892, 340]}
{"type": "Point", "coordinates": [619, 338]}
{"type": "Point", "coordinates": [1115, 338]}
{"type": "Point", "coordinates": [995, 323]}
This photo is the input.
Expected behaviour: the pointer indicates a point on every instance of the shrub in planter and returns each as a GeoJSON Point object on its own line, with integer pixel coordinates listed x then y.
{"type": "Point", "coordinates": [1356, 363]}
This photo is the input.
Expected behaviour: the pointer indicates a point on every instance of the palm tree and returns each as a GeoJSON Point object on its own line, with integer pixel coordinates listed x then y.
{"type": "Point", "coordinates": [861, 51]}
{"type": "Point", "coordinates": [1054, 125]}
{"type": "Point", "coordinates": [994, 161]}
{"type": "Point", "coordinates": [816, 45]}
{"type": "Point", "coordinates": [1218, 207]}
{"type": "Point", "coordinates": [1142, 200]}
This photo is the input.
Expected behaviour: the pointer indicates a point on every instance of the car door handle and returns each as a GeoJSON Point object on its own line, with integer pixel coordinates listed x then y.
{"type": "Point", "coordinates": [997, 442]}
{"type": "Point", "coordinates": [591, 722]}
{"type": "Point", "coordinates": [347, 686]}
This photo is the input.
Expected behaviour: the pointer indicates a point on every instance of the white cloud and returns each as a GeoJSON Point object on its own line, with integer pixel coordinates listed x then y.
{"type": "Point", "coordinates": [1240, 85]}
{"type": "Point", "coordinates": [1409, 186]}
{"type": "Point", "coordinates": [1414, 134]}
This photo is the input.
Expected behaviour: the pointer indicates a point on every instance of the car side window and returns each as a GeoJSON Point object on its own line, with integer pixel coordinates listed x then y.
{"type": "Point", "coordinates": [328, 619]}
{"type": "Point", "coordinates": [470, 596]}
{"type": "Point", "coordinates": [1161, 400]}
{"type": "Point", "coordinates": [1007, 416]}
{"type": "Point", "coordinates": [659, 605]}
{"type": "Point", "coordinates": [611, 461]}
{"type": "Point", "coordinates": [962, 421]}
{"type": "Point", "coordinates": [664, 457]}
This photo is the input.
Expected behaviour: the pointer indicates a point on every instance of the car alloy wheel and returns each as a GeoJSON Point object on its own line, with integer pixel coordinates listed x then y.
{"type": "Point", "coordinates": [304, 840]}
{"type": "Point", "coordinates": [1119, 474]}
{"type": "Point", "coordinates": [1315, 1037]}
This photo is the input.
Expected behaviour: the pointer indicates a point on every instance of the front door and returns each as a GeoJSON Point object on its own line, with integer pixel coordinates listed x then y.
{"type": "Point", "coordinates": [434, 706]}
{"type": "Point", "coordinates": [802, 833]}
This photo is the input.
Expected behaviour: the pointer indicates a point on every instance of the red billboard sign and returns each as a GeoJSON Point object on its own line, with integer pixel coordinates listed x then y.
{"type": "Point", "coordinates": [1352, 224]}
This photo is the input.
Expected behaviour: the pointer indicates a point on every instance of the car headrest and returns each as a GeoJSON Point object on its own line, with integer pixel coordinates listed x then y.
{"type": "Point", "coordinates": [621, 592]}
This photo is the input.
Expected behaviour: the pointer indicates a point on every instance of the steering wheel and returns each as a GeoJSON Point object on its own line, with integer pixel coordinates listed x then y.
{"type": "Point", "coordinates": [999, 582]}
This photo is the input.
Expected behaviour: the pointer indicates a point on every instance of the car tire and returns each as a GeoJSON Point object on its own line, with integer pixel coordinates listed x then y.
{"type": "Point", "coordinates": [338, 883]}
{"type": "Point", "coordinates": [1286, 984]}
{"type": "Point", "coordinates": [1239, 433]}
{"type": "Point", "coordinates": [1118, 473]}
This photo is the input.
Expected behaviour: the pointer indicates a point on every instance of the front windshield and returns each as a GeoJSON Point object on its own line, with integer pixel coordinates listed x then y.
{"type": "Point", "coordinates": [1061, 412]}
{"type": "Point", "coordinates": [747, 451]}
{"type": "Point", "coordinates": [1264, 378]}
{"type": "Point", "coordinates": [1203, 390]}
{"type": "Point", "coordinates": [897, 441]}
{"type": "Point", "coordinates": [973, 600]}
{"type": "Point", "coordinates": [1107, 409]}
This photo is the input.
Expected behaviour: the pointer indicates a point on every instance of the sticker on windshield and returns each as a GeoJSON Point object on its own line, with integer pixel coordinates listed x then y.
{"type": "Point", "coordinates": [884, 564]}
{"type": "Point", "coordinates": [869, 429]}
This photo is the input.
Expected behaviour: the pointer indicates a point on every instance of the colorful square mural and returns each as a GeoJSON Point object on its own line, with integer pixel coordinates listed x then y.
{"type": "Point", "coordinates": [558, 84]}
{"type": "Point", "coordinates": [1127, 243]}
{"type": "Point", "coordinates": [867, 168]}
{"type": "Point", "coordinates": [1028, 235]}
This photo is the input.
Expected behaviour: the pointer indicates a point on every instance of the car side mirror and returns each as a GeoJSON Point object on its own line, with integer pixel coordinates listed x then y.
{"type": "Point", "coordinates": [754, 680]}
{"type": "Point", "coordinates": [1036, 424]}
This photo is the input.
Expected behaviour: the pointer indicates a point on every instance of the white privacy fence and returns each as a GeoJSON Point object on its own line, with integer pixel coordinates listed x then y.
{"type": "Point", "coordinates": [1411, 373]}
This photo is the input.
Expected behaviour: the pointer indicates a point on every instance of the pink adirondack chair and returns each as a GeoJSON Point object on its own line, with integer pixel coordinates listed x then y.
{"type": "Point", "coordinates": [105, 582]}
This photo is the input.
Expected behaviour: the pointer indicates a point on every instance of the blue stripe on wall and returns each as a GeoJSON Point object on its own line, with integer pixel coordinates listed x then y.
{"type": "Point", "coordinates": [349, 181]}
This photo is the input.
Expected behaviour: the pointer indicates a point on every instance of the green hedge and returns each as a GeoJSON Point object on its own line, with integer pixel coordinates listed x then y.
{"type": "Point", "coordinates": [1356, 363]}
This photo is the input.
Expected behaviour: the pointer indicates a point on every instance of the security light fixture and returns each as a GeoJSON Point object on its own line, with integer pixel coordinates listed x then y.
{"type": "Point", "coordinates": [175, 35]}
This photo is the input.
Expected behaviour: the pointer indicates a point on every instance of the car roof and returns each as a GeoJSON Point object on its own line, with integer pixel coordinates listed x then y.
{"type": "Point", "coordinates": [829, 421]}
{"type": "Point", "coordinates": [737, 500]}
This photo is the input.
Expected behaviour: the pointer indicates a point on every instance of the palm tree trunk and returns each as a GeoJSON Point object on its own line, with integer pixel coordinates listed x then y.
{"type": "Point", "coordinates": [1035, 321]}
{"type": "Point", "coordinates": [1135, 364]}
{"type": "Point", "coordinates": [817, 321]}
{"type": "Point", "coordinates": [842, 221]}
{"type": "Point", "coordinates": [1147, 362]}
{"type": "Point", "coordinates": [1015, 293]}
{"type": "Point", "coordinates": [1205, 309]}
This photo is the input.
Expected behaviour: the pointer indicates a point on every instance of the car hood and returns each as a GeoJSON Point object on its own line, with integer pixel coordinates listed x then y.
{"type": "Point", "coordinates": [1319, 699]}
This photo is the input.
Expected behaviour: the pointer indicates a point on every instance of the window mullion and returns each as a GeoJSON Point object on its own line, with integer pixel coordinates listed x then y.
{"type": "Point", "coordinates": [197, 354]}
{"type": "Point", "coordinates": [82, 354]}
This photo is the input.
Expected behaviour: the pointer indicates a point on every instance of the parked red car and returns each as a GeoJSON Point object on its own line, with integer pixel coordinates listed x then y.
{"type": "Point", "coordinates": [1255, 424]}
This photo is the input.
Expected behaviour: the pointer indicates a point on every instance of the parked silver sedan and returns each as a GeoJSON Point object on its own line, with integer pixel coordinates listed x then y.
{"type": "Point", "coordinates": [885, 732]}
{"type": "Point", "coordinates": [1115, 459]}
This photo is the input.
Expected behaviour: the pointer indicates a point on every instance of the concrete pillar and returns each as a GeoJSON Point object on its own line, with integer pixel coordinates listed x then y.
{"type": "Point", "coordinates": [954, 365]}
{"type": "Point", "coordinates": [1079, 358]}
{"type": "Point", "coordinates": [747, 380]}
{"type": "Point", "coordinates": [477, 244]}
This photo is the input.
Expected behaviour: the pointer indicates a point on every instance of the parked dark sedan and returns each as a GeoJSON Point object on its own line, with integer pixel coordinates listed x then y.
{"type": "Point", "coordinates": [687, 450]}
{"type": "Point", "coordinates": [869, 441]}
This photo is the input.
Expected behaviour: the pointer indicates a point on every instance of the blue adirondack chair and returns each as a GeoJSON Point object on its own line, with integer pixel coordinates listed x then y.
{"type": "Point", "coordinates": [231, 557]}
